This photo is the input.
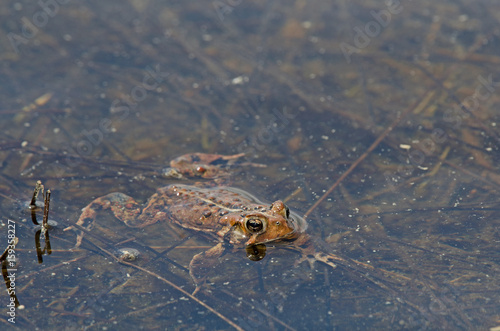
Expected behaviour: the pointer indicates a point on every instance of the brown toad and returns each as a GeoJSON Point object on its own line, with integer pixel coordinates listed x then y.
{"type": "Point", "coordinates": [231, 215]}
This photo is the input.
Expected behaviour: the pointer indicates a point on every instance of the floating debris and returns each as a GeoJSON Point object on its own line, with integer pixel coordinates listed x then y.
{"type": "Point", "coordinates": [127, 254]}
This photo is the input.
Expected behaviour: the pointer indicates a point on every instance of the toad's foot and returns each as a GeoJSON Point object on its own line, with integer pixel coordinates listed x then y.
{"type": "Point", "coordinates": [124, 208]}
{"type": "Point", "coordinates": [204, 262]}
{"type": "Point", "coordinates": [205, 165]}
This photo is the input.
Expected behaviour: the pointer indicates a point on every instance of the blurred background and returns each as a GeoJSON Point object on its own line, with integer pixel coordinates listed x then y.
{"type": "Point", "coordinates": [98, 97]}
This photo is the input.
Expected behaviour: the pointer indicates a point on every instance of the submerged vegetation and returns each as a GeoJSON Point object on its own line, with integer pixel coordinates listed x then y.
{"type": "Point", "coordinates": [377, 122]}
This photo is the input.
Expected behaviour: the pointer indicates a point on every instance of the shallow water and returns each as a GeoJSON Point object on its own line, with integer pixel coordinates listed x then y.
{"type": "Point", "coordinates": [98, 97]}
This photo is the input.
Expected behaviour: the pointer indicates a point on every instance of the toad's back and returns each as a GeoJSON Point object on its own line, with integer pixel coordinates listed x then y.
{"type": "Point", "coordinates": [198, 208]}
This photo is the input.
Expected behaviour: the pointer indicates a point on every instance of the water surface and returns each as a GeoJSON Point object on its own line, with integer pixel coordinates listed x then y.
{"type": "Point", "coordinates": [98, 97]}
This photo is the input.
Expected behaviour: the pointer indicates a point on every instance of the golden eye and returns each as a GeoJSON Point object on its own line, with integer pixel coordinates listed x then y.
{"type": "Point", "coordinates": [201, 170]}
{"type": "Point", "coordinates": [254, 225]}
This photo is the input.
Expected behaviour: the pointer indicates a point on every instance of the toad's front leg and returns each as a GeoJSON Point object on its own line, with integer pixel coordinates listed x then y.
{"type": "Point", "coordinates": [204, 262]}
{"type": "Point", "coordinates": [124, 207]}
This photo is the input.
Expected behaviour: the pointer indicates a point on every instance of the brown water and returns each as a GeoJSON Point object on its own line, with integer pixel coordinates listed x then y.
{"type": "Point", "coordinates": [98, 96]}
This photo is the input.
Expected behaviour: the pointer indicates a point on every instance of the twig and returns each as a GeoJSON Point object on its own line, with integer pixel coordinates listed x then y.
{"type": "Point", "coordinates": [45, 225]}
{"type": "Point", "coordinates": [224, 318]}
{"type": "Point", "coordinates": [38, 189]}
{"type": "Point", "coordinates": [368, 151]}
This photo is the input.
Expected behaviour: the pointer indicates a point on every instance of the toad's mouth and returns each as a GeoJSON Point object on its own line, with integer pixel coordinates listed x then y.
{"type": "Point", "coordinates": [254, 240]}
{"type": "Point", "coordinates": [239, 235]}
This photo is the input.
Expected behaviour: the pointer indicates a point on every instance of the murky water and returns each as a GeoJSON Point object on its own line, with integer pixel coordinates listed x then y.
{"type": "Point", "coordinates": [98, 96]}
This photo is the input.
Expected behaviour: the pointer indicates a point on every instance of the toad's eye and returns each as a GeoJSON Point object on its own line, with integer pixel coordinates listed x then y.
{"type": "Point", "coordinates": [254, 225]}
{"type": "Point", "coordinates": [287, 211]}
